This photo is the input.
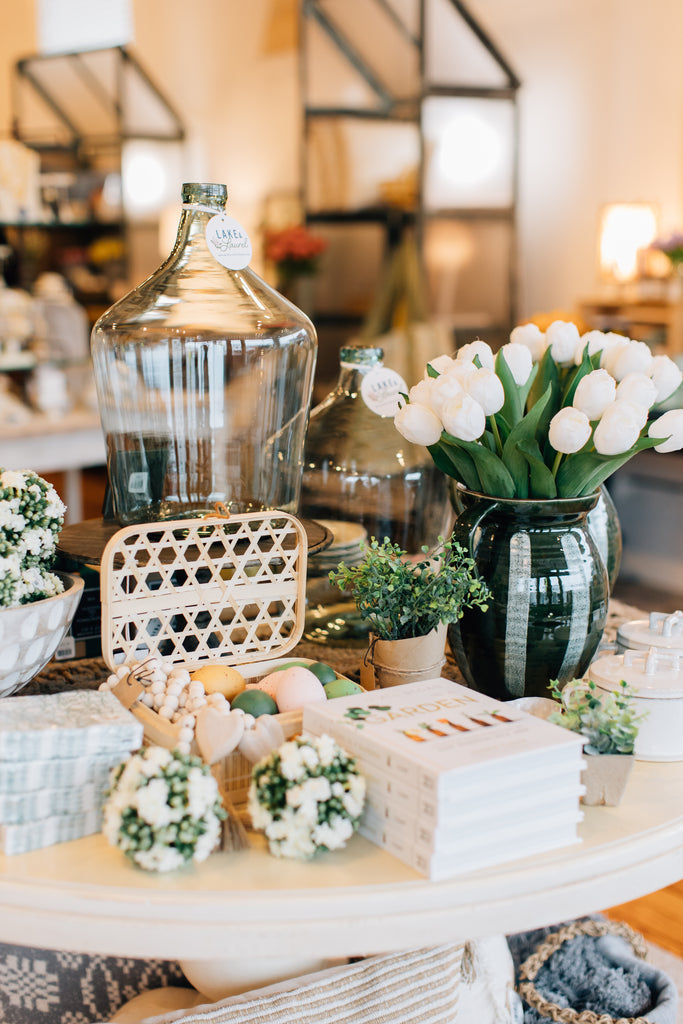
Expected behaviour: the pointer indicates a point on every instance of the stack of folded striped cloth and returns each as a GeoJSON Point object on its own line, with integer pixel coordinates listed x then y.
{"type": "Point", "coordinates": [56, 755]}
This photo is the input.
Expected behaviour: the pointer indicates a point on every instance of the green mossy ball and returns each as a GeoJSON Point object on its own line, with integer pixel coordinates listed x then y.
{"type": "Point", "coordinates": [341, 688]}
{"type": "Point", "coordinates": [254, 702]}
{"type": "Point", "coordinates": [322, 671]}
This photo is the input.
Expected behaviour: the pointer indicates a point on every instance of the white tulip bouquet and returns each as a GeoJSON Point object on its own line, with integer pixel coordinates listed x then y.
{"type": "Point", "coordinates": [550, 415]}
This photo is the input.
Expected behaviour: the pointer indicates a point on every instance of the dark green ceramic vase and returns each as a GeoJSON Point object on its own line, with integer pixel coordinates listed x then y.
{"type": "Point", "coordinates": [603, 522]}
{"type": "Point", "coordinates": [549, 593]}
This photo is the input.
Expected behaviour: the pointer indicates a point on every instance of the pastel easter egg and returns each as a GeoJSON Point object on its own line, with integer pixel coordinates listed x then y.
{"type": "Point", "coordinates": [341, 688]}
{"type": "Point", "coordinates": [296, 687]}
{"type": "Point", "coordinates": [323, 671]}
{"type": "Point", "coordinates": [219, 679]}
{"type": "Point", "coordinates": [255, 702]}
{"type": "Point", "coordinates": [290, 664]}
{"type": "Point", "coordinates": [268, 684]}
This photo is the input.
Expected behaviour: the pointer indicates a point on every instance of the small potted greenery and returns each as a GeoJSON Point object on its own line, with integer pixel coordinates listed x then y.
{"type": "Point", "coordinates": [609, 722]}
{"type": "Point", "coordinates": [408, 605]}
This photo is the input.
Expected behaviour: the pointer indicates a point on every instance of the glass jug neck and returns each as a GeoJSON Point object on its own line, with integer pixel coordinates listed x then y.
{"type": "Point", "coordinates": [355, 363]}
{"type": "Point", "coordinates": [212, 197]}
{"type": "Point", "coordinates": [201, 202]}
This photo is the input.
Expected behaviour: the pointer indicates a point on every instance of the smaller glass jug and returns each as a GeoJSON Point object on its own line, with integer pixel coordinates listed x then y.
{"type": "Point", "coordinates": [358, 468]}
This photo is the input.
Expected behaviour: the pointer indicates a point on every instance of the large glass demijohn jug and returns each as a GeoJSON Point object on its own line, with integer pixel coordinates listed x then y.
{"type": "Point", "coordinates": [358, 468]}
{"type": "Point", "coordinates": [204, 375]}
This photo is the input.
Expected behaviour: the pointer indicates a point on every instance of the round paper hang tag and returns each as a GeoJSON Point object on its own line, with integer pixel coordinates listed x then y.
{"type": "Point", "coordinates": [380, 390]}
{"type": "Point", "coordinates": [228, 242]}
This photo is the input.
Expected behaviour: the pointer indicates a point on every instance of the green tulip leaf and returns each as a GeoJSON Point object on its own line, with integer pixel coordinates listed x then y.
{"type": "Point", "coordinates": [489, 440]}
{"type": "Point", "coordinates": [495, 478]}
{"type": "Point", "coordinates": [541, 480]}
{"type": "Point", "coordinates": [454, 462]}
{"type": "Point", "coordinates": [515, 395]}
{"type": "Point", "coordinates": [585, 367]}
{"type": "Point", "coordinates": [526, 430]}
{"type": "Point", "coordinates": [504, 426]}
{"type": "Point", "coordinates": [583, 472]}
{"type": "Point", "coordinates": [548, 376]}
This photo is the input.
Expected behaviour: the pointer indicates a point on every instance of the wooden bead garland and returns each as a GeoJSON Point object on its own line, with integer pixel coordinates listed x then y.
{"type": "Point", "coordinates": [174, 695]}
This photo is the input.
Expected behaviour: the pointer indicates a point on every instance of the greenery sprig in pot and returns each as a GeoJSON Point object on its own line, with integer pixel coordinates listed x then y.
{"type": "Point", "coordinates": [408, 604]}
{"type": "Point", "coordinates": [609, 722]}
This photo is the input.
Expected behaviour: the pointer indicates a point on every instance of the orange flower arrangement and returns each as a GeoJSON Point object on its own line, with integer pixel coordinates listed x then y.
{"type": "Point", "coordinates": [294, 251]}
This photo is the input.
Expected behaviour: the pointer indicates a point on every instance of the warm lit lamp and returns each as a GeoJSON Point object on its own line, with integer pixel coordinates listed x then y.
{"type": "Point", "coordinates": [625, 229]}
{"type": "Point", "coordinates": [470, 146]}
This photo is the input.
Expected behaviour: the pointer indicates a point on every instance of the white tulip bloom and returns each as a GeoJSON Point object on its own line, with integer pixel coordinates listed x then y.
{"type": "Point", "coordinates": [636, 357]}
{"type": "Point", "coordinates": [670, 425]}
{"type": "Point", "coordinates": [476, 348]}
{"type": "Point", "coordinates": [562, 337]}
{"type": "Point", "coordinates": [569, 430]}
{"type": "Point", "coordinates": [619, 428]}
{"type": "Point", "coordinates": [532, 337]}
{"type": "Point", "coordinates": [441, 364]}
{"type": "Point", "coordinates": [613, 342]}
{"type": "Point", "coordinates": [594, 393]}
{"type": "Point", "coordinates": [464, 418]}
{"type": "Point", "coordinates": [442, 389]}
{"type": "Point", "coordinates": [519, 360]}
{"type": "Point", "coordinates": [595, 341]}
{"type": "Point", "coordinates": [487, 389]}
{"type": "Point", "coordinates": [638, 388]}
{"type": "Point", "coordinates": [418, 424]}
{"type": "Point", "coordinates": [420, 393]}
{"type": "Point", "coordinates": [462, 370]}
{"type": "Point", "coordinates": [666, 375]}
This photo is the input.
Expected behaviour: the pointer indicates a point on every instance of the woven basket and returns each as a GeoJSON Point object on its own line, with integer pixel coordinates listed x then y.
{"type": "Point", "coordinates": [532, 965]}
{"type": "Point", "coordinates": [226, 590]}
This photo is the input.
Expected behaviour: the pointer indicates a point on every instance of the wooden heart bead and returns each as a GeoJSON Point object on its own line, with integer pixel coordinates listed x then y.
{"type": "Point", "coordinates": [265, 735]}
{"type": "Point", "coordinates": [216, 733]}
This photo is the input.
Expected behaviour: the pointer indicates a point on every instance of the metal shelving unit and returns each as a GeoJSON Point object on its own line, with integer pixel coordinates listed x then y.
{"type": "Point", "coordinates": [78, 111]}
{"type": "Point", "coordinates": [384, 83]}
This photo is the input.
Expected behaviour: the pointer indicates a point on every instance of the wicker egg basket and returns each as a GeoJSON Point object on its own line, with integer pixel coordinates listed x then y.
{"type": "Point", "coordinates": [218, 590]}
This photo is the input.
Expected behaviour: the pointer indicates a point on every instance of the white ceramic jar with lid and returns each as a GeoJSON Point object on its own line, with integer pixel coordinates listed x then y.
{"type": "Point", "coordinates": [656, 679]}
{"type": "Point", "coordinates": [662, 631]}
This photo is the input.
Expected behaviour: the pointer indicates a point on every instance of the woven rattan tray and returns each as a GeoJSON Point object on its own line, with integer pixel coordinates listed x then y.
{"type": "Point", "coordinates": [227, 590]}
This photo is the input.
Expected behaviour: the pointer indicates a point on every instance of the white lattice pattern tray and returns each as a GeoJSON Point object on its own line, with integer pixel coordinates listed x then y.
{"type": "Point", "coordinates": [219, 589]}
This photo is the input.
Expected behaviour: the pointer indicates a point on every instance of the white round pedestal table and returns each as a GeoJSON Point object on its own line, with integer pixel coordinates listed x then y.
{"type": "Point", "coordinates": [250, 908]}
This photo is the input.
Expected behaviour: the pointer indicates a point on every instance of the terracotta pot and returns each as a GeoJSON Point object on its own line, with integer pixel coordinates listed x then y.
{"type": "Point", "coordinates": [407, 661]}
{"type": "Point", "coordinates": [605, 777]}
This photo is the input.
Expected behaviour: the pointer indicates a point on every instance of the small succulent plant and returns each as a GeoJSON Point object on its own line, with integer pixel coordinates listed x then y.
{"type": "Point", "coordinates": [609, 721]}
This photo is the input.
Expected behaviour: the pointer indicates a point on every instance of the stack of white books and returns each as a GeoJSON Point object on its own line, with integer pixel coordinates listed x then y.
{"type": "Point", "coordinates": [56, 756]}
{"type": "Point", "coordinates": [456, 780]}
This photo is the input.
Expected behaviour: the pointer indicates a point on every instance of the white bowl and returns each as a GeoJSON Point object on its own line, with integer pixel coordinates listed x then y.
{"type": "Point", "coordinates": [31, 633]}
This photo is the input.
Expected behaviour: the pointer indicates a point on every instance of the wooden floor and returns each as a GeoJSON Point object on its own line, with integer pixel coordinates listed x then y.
{"type": "Point", "coordinates": [658, 917]}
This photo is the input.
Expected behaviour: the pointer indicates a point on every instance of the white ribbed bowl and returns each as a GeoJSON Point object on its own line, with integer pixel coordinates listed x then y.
{"type": "Point", "coordinates": [31, 633]}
